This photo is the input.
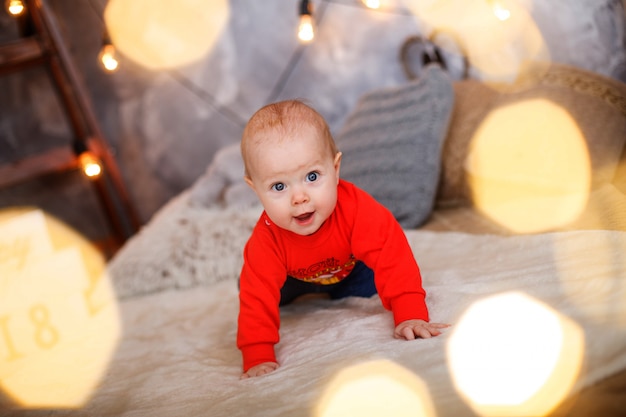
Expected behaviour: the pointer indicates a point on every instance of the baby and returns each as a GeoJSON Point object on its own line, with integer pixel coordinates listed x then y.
{"type": "Point", "coordinates": [317, 234]}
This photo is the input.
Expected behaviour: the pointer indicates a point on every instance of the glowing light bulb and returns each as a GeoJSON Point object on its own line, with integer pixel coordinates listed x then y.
{"type": "Point", "coordinates": [15, 7]}
{"type": "Point", "coordinates": [372, 4]}
{"type": "Point", "coordinates": [108, 58]}
{"type": "Point", "coordinates": [90, 165]}
{"type": "Point", "coordinates": [306, 32]}
{"type": "Point", "coordinates": [305, 28]}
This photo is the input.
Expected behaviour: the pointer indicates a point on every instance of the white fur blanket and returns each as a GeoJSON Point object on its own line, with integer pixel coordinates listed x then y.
{"type": "Point", "coordinates": [177, 356]}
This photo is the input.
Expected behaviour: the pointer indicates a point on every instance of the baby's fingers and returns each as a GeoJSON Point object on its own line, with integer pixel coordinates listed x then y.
{"type": "Point", "coordinates": [259, 370]}
{"type": "Point", "coordinates": [433, 328]}
{"type": "Point", "coordinates": [426, 332]}
{"type": "Point", "coordinates": [413, 329]}
{"type": "Point", "coordinates": [408, 333]}
{"type": "Point", "coordinates": [413, 332]}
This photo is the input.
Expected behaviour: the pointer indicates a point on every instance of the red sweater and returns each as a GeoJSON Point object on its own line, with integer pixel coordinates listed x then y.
{"type": "Point", "coordinates": [359, 228]}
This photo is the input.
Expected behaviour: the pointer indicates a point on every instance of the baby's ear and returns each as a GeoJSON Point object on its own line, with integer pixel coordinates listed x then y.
{"type": "Point", "coordinates": [248, 181]}
{"type": "Point", "coordinates": [337, 163]}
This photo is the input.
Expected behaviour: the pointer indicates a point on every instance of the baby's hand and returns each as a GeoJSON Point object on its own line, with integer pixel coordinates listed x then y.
{"type": "Point", "coordinates": [261, 369]}
{"type": "Point", "coordinates": [412, 329]}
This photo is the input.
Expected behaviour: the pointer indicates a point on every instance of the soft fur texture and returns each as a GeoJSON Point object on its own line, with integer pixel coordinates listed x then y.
{"type": "Point", "coordinates": [178, 356]}
{"type": "Point", "coordinates": [392, 143]}
{"type": "Point", "coordinates": [183, 246]}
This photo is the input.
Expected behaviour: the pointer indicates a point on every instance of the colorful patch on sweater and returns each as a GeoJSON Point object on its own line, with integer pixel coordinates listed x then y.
{"type": "Point", "coordinates": [326, 272]}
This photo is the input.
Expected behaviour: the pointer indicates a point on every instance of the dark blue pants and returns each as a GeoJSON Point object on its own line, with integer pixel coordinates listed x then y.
{"type": "Point", "coordinates": [360, 283]}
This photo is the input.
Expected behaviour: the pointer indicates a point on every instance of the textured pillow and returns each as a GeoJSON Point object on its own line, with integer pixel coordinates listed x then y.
{"type": "Point", "coordinates": [392, 142]}
{"type": "Point", "coordinates": [597, 103]}
{"type": "Point", "coordinates": [472, 101]}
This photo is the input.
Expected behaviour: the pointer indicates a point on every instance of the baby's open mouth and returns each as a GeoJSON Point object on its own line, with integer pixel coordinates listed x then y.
{"type": "Point", "coordinates": [303, 218]}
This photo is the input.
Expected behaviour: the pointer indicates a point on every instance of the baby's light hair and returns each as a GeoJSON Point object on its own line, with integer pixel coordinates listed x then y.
{"type": "Point", "coordinates": [282, 121]}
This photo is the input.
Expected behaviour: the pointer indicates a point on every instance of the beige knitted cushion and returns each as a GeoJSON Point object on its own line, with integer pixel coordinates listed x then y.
{"type": "Point", "coordinates": [472, 100]}
{"type": "Point", "coordinates": [597, 103]}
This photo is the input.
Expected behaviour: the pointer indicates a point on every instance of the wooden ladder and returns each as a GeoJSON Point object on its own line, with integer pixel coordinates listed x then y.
{"type": "Point", "coordinates": [41, 44]}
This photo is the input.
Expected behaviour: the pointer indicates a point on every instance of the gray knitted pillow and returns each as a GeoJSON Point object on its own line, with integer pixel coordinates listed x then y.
{"type": "Point", "coordinates": [392, 141]}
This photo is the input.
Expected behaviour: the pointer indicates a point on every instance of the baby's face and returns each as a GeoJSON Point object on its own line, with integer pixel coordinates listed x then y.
{"type": "Point", "coordinates": [296, 180]}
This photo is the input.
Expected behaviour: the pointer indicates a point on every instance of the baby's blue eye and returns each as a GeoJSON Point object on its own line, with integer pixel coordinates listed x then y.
{"type": "Point", "coordinates": [279, 186]}
{"type": "Point", "coordinates": [312, 176]}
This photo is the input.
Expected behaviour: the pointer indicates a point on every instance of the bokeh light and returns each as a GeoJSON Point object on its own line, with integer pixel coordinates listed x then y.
{"type": "Point", "coordinates": [165, 34]}
{"type": "Point", "coordinates": [496, 47]}
{"type": "Point", "coordinates": [528, 167]}
{"type": "Point", "coordinates": [377, 388]}
{"type": "Point", "coordinates": [59, 320]}
{"type": "Point", "coordinates": [511, 355]}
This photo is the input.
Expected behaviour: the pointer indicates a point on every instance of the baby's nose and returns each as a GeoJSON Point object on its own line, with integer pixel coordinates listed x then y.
{"type": "Point", "coordinates": [299, 197]}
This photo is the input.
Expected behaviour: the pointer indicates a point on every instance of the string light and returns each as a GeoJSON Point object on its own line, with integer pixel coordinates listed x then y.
{"type": "Point", "coordinates": [306, 33]}
{"type": "Point", "coordinates": [89, 164]}
{"type": "Point", "coordinates": [15, 7]}
{"type": "Point", "coordinates": [108, 57]}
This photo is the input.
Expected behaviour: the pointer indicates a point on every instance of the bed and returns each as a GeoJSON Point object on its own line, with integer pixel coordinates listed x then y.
{"type": "Point", "coordinates": [538, 317]}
